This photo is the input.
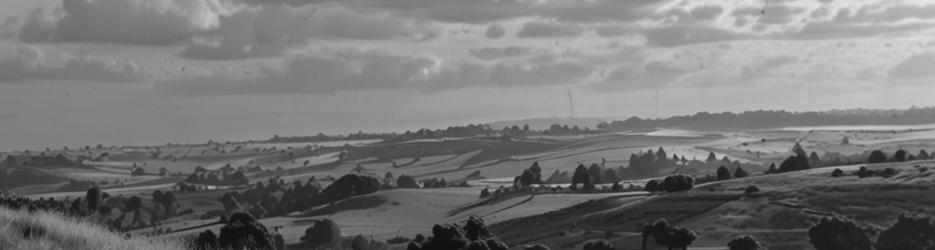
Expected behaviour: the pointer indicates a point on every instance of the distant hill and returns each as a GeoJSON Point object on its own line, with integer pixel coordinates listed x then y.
{"type": "Point", "coordinates": [544, 123]}
{"type": "Point", "coordinates": [762, 119]}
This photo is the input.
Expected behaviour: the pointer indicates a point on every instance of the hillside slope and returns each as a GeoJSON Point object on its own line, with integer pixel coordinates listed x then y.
{"type": "Point", "coordinates": [39, 231]}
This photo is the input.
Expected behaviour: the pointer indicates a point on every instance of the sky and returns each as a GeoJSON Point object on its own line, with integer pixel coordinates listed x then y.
{"type": "Point", "coordinates": [143, 72]}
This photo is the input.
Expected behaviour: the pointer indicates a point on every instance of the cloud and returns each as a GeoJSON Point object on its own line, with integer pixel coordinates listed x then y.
{"type": "Point", "coordinates": [492, 53]}
{"type": "Point", "coordinates": [706, 12]}
{"type": "Point", "coordinates": [763, 69]}
{"type": "Point", "coordinates": [495, 31]}
{"type": "Point", "coordinates": [674, 36]}
{"type": "Point", "coordinates": [477, 12]}
{"type": "Point", "coordinates": [651, 75]}
{"type": "Point", "coordinates": [270, 30]}
{"type": "Point", "coordinates": [538, 29]}
{"type": "Point", "coordinates": [153, 22]}
{"type": "Point", "coordinates": [30, 64]}
{"type": "Point", "coordinates": [915, 67]}
{"type": "Point", "coordinates": [323, 72]}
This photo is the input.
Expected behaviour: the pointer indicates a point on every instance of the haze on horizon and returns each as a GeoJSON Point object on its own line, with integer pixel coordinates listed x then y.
{"type": "Point", "coordinates": [141, 72]}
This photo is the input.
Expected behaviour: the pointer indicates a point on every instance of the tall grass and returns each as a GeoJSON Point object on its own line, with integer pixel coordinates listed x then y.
{"type": "Point", "coordinates": [44, 230]}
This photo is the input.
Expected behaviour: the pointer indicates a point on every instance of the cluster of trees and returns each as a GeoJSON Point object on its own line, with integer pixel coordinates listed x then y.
{"type": "Point", "coordinates": [530, 176]}
{"type": "Point", "coordinates": [901, 155]}
{"type": "Point", "coordinates": [650, 163]}
{"type": "Point", "coordinates": [472, 235]}
{"type": "Point", "coordinates": [276, 197]}
{"type": "Point", "coordinates": [863, 172]}
{"type": "Point", "coordinates": [772, 119]}
{"type": "Point", "coordinates": [241, 231]}
{"type": "Point", "coordinates": [723, 173]}
{"type": "Point", "coordinates": [911, 231]}
{"type": "Point", "coordinates": [672, 183]}
{"type": "Point", "coordinates": [798, 161]}
{"type": "Point", "coordinates": [665, 234]}
{"type": "Point", "coordinates": [17, 202]}
{"type": "Point", "coordinates": [222, 177]}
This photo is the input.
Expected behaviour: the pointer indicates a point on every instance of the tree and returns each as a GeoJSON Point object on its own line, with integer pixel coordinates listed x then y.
{"type": "Point", "coordinates": [833, 233]}
{"type": "Point", "coordinates": [527, 178]}
{"type": "Point", "coordinates": [475, 229]}
{"type": "Point", "coordinates": [597, 245]}
{"type": "Point", "coordinates": [484, 193]}
{"type": "Point", "coordinates": [740, 173]}
{"type": "Point", "coordinates": [405, 181]}
{"type": "Point", "coordinates": [911, 232]}
{"type": "Point", "coordinates": [745, 242]}
{"type": "Point", "coordinates": [877, 156]}
{"type": "Point", "coordinates": [652, 186]}
{"type": "Point", "coordinates": [610, 176]}
{"type": "Point", "coordinates": [323, 234]}
{"type": "Point", "coordinates": [772, 168]}
{"type": "Point", "coordinates": [595, 172]}
{"type": "Point", "coordinates": [682, 237]}
{"type": "Point", "coordinates": [94, 198]}
{"type": "Point", "coordinates": [899, 156]}
{"type": "Point", "coordinates": [923, 155]}
{"type": "Point", "coordinates": [207, 240]}
{"type": "Point", "coordinates": [813, 157]}
{"type": "Point", "coordinates": [794, 163]}
{"type": "Point", "coordinates": [242, 231]}
{"type": "Point", "coordinates": [581, 176]}
{"type": "Point", "coordinates": [711, 157]}
{"type": "Point", "coordinates": [537, 172]}
{"type": "Point", "coordinates": [723, 173]}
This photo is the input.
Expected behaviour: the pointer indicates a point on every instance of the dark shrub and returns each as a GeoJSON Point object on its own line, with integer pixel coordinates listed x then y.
{"type": "Point", "coordinates": [652, 186]}
{"type": "Point", "coordinates": [245, 232]}
{"type": "Point", "coordinates": [323, 233]}
{"type": "Point", "coordinates": [877, 156]}
{"type": "Point", "coordinates": [837, 172]}
{"type": "Point", "coordinates": [833, 233]}
{"type": "Point", "coordinates": [206, 241]}
{"type": "Point", "coordinates": [909, 232]}
{"type": "Point", "coordinates": [745, 242]}
{"type": "Point", "coordinates": [597, 245]}
{"type": "Point", "coordinates": [405, 181]}
{"type": "Point", "coordinates": [751, 189]}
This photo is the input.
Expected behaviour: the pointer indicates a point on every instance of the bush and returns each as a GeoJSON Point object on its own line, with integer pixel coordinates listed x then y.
{"type": "Point", "coordinates": [484, 193]}
{"type": "Point", "coordinates": [751, 189]}
{"type": "Point", "coordinates": [837, 172]}
{"type": "Point", "coordinates": [323, 233]}
{"type": "Point", "coordinates": [677, 183]}
{"type": "Point", "coordinates": [597, 245]}
{"type": "Point", "coordinates": [405, 181]}
{"type": "Point", "coordinates": [834, 233]}
{"type": "Point", "coordinates": [863, 172]}
{"type": "Point", "coordinates": [667, 235]}
{"type": "Point", "coordinates": [876, 156]}
{"type": "Point", "coordinates": [207, 240]}
{"type": "Point", "coordinates": [652, 186]}
{"type": "Point", "coordinates": [909, 232]}
{"type": "Point", "coordinates": [888, 172]}
{"type": "Point", "coordinates": [745, 242]}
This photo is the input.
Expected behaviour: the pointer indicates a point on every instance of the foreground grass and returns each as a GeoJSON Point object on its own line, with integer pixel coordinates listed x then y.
{"type": "Point", "coordinates": [42, 230]}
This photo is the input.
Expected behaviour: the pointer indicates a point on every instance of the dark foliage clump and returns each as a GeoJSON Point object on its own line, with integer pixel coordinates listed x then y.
{"type": "Point", "coordinates": [834, 233]}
